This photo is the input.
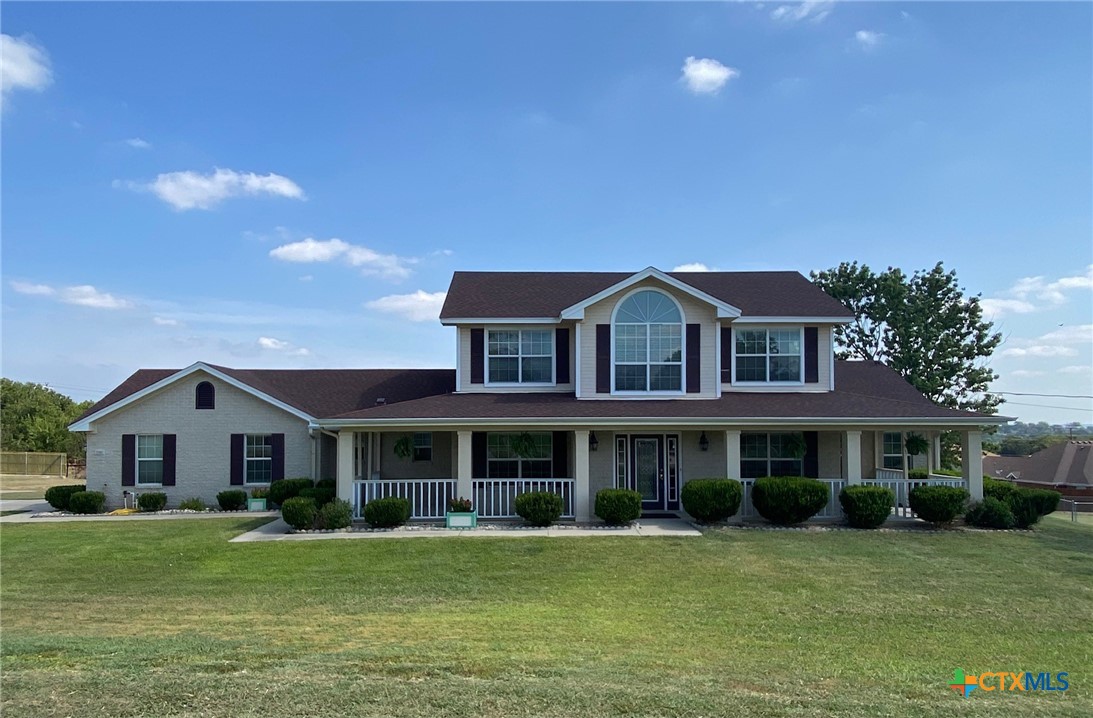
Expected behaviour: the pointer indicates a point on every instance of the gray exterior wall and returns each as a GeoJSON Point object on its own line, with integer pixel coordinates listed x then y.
{"type": "Point", "coordinates": [393, 467]}
{"type": "Point", "coordinates": [203, 462]}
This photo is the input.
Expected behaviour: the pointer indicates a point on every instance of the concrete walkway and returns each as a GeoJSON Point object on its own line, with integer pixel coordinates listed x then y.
{"type": "Point", "coordinates": [31, 519]}
{"type": "Point", "coordinates": [276, 531]}
{"type": "Point", "coordinates": [31, 505]}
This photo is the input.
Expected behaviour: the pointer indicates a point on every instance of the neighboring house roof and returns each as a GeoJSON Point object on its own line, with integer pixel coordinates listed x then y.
{"type": "Point", "coordinates": [501, 295]}
{"type": "Point", "coordinates": [1068, 462]}
{"type": "Point", "coordinates": [864, 391]}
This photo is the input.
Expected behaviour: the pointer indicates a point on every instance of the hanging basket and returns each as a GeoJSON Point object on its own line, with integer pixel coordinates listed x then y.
{"type": "Point", "coordinates": [404, 447]}
{"type": "Point", "coordinates": [916, 444]}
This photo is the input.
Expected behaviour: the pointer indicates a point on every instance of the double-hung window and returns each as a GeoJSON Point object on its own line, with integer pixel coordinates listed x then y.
{"type": "Point", "coordinates": [768, 355]}
{"type": "Point", "coordinates": [502, 461]}
{"type": "Point", "coordinates": [423, 446]}
{"type": "Point", "coordinates": [259, 459]}
{"type": "Point", "coordinates": [149, 459]}
{"type": "Point", "coordinates": [648, 343]}
{"type": "Point", "coordinates": [767, 455]}
{"type": "Point", "coordinates": [892, 450]}
{"type": "Point", "coordinates": [520, 356]}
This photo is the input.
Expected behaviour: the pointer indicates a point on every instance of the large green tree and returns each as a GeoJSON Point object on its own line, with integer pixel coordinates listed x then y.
{"type": "Point", "coordinates": [922, 326]}
{"type": "Point", "coordinates": [36, 418]}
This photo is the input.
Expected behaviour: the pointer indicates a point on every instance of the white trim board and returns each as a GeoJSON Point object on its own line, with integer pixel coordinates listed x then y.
{"type": "Point", "coordinates": [724, 309]}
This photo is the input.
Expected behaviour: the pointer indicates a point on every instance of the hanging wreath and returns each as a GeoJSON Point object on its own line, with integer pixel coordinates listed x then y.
{"type": "Point", "coordinates": [404, 447]}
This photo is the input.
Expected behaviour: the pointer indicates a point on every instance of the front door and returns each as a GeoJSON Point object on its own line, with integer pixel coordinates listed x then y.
{"type": "Point", "coordinates": [652, 471]}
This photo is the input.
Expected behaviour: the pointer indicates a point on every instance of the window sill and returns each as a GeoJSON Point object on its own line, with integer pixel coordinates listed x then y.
{"type": "Point", "coordinates": [518, 384]}
{"type": "Point", "coordinates": [768, 383]}
{"type": "Point", "coordinates": [148, 486]}
{"type": "Point", "coordinates": [257, 483]}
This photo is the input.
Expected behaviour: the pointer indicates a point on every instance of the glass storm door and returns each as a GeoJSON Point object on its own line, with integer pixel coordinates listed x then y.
{"type": "Point", "coordinates": [648, 470]}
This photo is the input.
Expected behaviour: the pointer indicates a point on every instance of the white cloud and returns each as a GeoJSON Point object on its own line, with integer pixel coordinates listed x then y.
{"type": "Point", "coordinates": [1018, 299]}
{"type": "Point", "coordinates": [868, 39]}
{"type": "Point", "coordinates": [811, 11]}
{"type": "Point", "coordinates": [706, 76]}
{"type": "Point", "coordinates": [1076, 369]}
{"type": "Point", "coordinates": [417, 307]}
{"type": "Point", "coordinates": [1026, 372]}
{"type": "Point", "coordinates": [191, 190]}
{"type": "Point", "coordinates": [23, 66]}
{"type": "Point", "coordinates": [693, 267]}
{"type": "Point", "coordinates": [307, 278]}
{"type": "Point", "coordinates": [280, 345]}
{"type": "Point", "coordinates": [1040, 351]}
{"type": "Point", "coordinates": [86, 295]}
{"type": "Point", "coordinates": [1000, 307]}
{"type": "Point", "coordinates": [165, 322]}
{"type": "Point", "coordinates": [1077, 334]}
{"type": "Point", "coordinates": [31, 288]}
{"type": "Point", "coordinates": [138, 143]}
{"type": "Point", "coordinates": [370, 262]}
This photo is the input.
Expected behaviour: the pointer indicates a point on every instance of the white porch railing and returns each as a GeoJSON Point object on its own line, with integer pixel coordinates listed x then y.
{"type": "Point", "coordinates": [901, 487]}
{"type": "Point", "coordinates": [496, 498]}
{"type": "Point", "coordinates": [428, 497]}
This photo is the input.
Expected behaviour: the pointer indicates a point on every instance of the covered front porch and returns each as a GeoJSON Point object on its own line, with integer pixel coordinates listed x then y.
{"type": "Point", "coordinates": [429, 465]}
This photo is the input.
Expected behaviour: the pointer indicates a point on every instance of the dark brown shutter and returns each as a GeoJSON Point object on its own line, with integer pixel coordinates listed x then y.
{"type": "Point", "coordinates": [603, 358]}
{"type": "Point", "coordinates": [560, 448]}
{"type": "Point", "coordinates": [277, 443]}
{"type": "Point", "coordinates": [812, 359]}
{"type": "Point", "coordinates": [561, 356]}
{"type": "Point", "coordinates": [168, 459]}
{"type": "Point", "coordinates": [811, 462]}
{"type": "Point", "coordinates": [726, 355]}
{"type": "Point", "coordinates": [237, 460]}
{"type": "Point", "coordinates": [694, 358]}
{"type": "Point", "coordinates": [128, 459]}
{"type": "Point", "coordinates": [478, 356]}
{"type": "Point", "coordinates": [479, 467]}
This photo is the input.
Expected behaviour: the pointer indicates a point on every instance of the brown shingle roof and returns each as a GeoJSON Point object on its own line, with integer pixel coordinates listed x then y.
{"type": "Point", "coordinates": [479, 295]}
{"type": "Point", "coordinates": [1068, 462]}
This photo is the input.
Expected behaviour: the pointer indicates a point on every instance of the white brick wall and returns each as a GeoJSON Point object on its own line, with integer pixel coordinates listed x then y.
{"type": "Point", "coordinates": [203, 462]}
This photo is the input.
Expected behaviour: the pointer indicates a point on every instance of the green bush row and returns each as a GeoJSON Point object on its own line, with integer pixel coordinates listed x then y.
{"type": "Point", "coordinates": [86, 502]}
{"type": "Point", "coordinates": [58, 496]}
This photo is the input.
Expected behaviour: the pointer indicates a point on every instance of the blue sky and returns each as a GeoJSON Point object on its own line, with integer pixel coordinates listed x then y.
{"type": "Point", "coordinates": [292, 185]}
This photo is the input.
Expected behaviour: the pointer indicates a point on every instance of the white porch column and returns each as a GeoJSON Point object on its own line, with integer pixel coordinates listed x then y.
{"type": "Point", "coordinates": [930, 466]}
{"type": "Point", "coordinates": [346, 449]}
{"type": "Point", "coordinates": [971, 462]}
{"type": "Point", "coordinates": [732, 454]}
{"type": "Point", "coordinates": [853, 457]}
{"type": "Point", "coordinates": [465, 466]}
{"type": "Point", "coordinates": [581, 499]}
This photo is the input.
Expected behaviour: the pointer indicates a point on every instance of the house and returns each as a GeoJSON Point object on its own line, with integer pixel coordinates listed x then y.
{"type": "Point", "coordinates": [1066, 466]}
{"type": "Point", "coordinates": [643, 380]}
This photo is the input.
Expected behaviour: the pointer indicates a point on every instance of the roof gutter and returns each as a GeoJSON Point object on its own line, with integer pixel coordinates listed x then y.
{"type": "Point", "coordinates": [737, 422]}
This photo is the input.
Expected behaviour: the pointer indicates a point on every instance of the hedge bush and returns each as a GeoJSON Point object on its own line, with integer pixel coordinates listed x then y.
{"type": "Point", "coordinates": [327, 484]}
{"type": "Point", "coordinates": [338, 514]}
{"type": "Point", "coordinates": [322, 496]}
{"type": "Point", "coordinates": [194, 504]}
{"type": "Point", "coordinates": [299, 512]}
{"type": "Point", "coordinates": [710, 500]}
{"type": "Point", "coordinates": [990, 513]}
{"type": "Point", "coordinates": [57, 496]}
{"type": "Point", "coordinates": [86, 502]}
{"type": "Point", "coordinates": [387, 513]}
{"type": "Point", "coordinates": [866, 507]}
{"type": "Point", "coordinates": [938, 504]}
{"type": "Point", "coordinates": [232, 499]}
{"type": "Point", "coordinates": [281, 491]}
{"type": "Point", "coordinates": [618, 506]}
{"type": "Point", "coordinates": [996, 489]}
{"type": "Point", "coordinates": [539, 508]}
{"type": "Point", "coordinates": [152, 501]}
{"type": "Point", "coordinates": [1027, 505]}
{"type": "Point", "coordinates": [1046, 500]}
{"type": "Point", "coordinates": [788, 500]}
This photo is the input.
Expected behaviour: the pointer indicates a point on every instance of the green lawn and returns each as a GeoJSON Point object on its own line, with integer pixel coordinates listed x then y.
{"type": "Point", "coordinates": [167, 619]}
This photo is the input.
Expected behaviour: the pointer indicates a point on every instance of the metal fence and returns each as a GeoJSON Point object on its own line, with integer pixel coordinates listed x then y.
{"type": "Point", "coordinates": [31, 463]}
{"type": "Point", "coordinates": [1077, 507]}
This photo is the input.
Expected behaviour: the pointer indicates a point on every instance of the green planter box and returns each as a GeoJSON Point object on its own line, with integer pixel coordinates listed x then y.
{"type": "Point", "coordinates": [256, 504]}
{"type": "Point", "coordinates": [461, 519]}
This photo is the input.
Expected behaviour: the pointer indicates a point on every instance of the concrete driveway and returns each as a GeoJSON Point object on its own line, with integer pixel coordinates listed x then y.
{"type": "Point", "coordinates": [32, 505]}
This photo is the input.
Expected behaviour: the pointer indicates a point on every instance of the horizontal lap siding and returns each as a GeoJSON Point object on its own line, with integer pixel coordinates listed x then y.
{"type": "Point", "coordinates": [823, 365]}
{"type": "Point", "coordinates": [464, 358]}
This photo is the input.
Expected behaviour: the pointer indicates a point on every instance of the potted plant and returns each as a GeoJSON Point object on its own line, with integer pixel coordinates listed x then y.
{"type": "Point", "coordinates": [916, 444]}
{"type": "Point", "coordinates": [460, 515]}
{"type": "Point", "coordinates": [257, 500]}
{"type": "Point", "coordinates": [404, 447]}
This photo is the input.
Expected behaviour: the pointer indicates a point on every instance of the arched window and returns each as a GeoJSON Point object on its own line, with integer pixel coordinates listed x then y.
{"type": "Point", "coordinates": [205, 396]}
{"type": "Point", "coordinates": [648, 329]}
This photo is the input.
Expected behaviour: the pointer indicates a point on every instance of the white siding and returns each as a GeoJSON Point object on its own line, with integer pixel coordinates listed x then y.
{"type": "Point", "coordinates": [824, 348]}
{"type": "Point", "coordinates": [465, 361]}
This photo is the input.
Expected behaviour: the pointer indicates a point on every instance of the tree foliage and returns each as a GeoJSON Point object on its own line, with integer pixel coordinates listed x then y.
{"type": "Point", "coordinates": [922, 326]}
{"type": "Point", "coordinates": [36, 418]}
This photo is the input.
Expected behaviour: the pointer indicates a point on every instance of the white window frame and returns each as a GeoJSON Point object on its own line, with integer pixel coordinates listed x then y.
{"type": "Point", "coordinates": [422, 440]}
{"type": "Point", "coordinates": [682, 353]}
{"type": "Point", "coordinates": [148, 459]}
{"type": "Point", "coordinates": [768, 355]}
{"type": "Point", "coordinates": [519, 459]}
{"type": "Point", "coordinates": [884, 455]}
{"type": "Point", "coordinates": [247, 459]}
{"type": "Point", "coordinates": [519, 356]}
{"type": "Point", "coordinates": [768, 457]}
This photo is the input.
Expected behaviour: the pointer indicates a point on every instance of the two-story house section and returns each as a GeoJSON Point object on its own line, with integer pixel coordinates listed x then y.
{"type": "Point", "coordinates": [565, 381]}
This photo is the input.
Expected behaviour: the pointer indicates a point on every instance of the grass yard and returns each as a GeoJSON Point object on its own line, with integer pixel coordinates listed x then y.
{"type": "Point", "coordinates": [168, 619]}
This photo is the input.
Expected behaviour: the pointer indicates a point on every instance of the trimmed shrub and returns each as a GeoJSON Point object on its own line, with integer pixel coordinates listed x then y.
{"type": "Point", "coordinates": [232, 499]}
{"type": "Point", "coordinates": [387, 513]}
{"type": "Point", "coordinates": [923, 475]}
{"type": "Point", "coordinates": [337, 514]}
{"type": "Point", "coordinates": [281, 491]}
{"type": "Point", "coordinates": [710, 500]}
{"type": "Point", "coordinates": [299, 512]}
{"type": "Point", "coordinates": [618, 506]}
{"type": "Point", "coordinates": [57, 496]}
{"type": "Point", "coordinates": [788, 500]}
{"type": "Point", "coordinates": [86, 502]}
{"type": "Point", "coordinates": [322, 496]}
{"type": "Point", "coordinates": [152, 501]}
{"type": "Point", "coordinates": [539, 508]}
{"type": "Point", "coordinates": [990, 513]}
{"type": "Point", "coordinates": [1025, 506]}
{"type": "Point", "coordinates": [1046, 500]}
{"type": "Point", "coordinates": [193, 504]}
{"type": "Point", "coordinates": [866, 507]}
{"type": "Point", "coordinates": [327, 484]}
{"type": "Point", "coordinates": [996, 489]}
{"type": "Point", "coordinates": [938, 504]}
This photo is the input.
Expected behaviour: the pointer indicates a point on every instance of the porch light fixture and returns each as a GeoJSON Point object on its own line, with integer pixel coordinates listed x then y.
{"type": "Point", "coordinates": [593, 442]}
{"type": "Point", "coordinates": [703, 442]}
